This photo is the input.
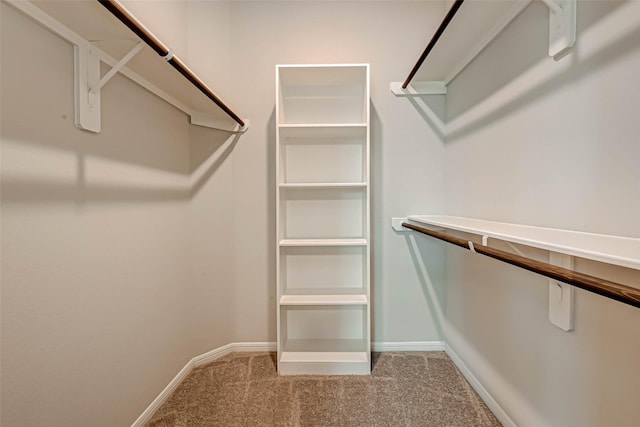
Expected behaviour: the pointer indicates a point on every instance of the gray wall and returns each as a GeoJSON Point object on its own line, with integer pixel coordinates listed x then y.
{"type": "Point", "coordinates": [552, 144]}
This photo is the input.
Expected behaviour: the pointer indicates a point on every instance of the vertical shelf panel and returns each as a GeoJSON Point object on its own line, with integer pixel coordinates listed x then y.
{"type": "Point", "coordinates": [323, 219]}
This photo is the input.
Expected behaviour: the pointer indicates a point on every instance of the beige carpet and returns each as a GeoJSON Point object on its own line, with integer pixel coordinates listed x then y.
{"type": "Point", "coordinates": [404, 389]}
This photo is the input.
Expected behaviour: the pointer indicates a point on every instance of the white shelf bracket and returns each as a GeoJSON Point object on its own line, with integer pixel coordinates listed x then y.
{"type": "Point", "coordinates": [396, 224]}
{"type": "Point", "coordinates": [419, 88]}
{"type": "Point", "coordinates": [88, 84]}
{"type": "Point", "coordinates": [561, 295]}
{"type": "Point", "coordinates": [117, 67]}
{"type": "Point", "coordinates": [562, 26]}
{"type": "Point", "coordinates": [86, 76]}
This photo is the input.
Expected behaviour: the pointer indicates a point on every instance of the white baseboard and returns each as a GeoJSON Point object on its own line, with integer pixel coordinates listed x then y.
{"type": "Point", "coordinates": [200, 360]}
{"type": "Point", "coordinates": [497, 410]}
{"type": "Point", "coordinates": [408, 346]}
{"type": "Point", "coordinates": [219, 352]}
{"type": "Point", "coordinates": [163, 396]}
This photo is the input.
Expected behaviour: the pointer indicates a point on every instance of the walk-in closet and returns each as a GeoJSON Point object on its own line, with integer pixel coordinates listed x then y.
{"type": "Point", "coordinates": [320, 213]}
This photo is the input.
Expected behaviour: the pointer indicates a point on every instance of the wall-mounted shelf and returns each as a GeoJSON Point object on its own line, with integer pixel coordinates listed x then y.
{"type": "Point", "coordinates": [471, 28]}
{"type": "Point", "coordinates": [622, 251]}
{"type": "Point", "coordinates": [98, 36]}
{"type": "Point", "coordinates": [562, 245]}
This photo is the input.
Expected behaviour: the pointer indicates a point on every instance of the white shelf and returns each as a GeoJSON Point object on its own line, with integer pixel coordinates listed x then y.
{"type": "Point", "coordinates": [339, 349]}
{"type": "Point", "coordinates": [322, 185]}
{"type": "Point", "coordinates": [81, 22]}
{"type": "Point", "coordinates": [323, 242]}
{"type": "Point", "coordinates": [323, 300]}
{"type": "Point", "coordinates": [616, 250]}
{"type": "Point", "coordinates": [326, 356]}
{"type": "Point", "coordinates": [475, 24]}
{"type": "Point", "coordinates": [320, 127]}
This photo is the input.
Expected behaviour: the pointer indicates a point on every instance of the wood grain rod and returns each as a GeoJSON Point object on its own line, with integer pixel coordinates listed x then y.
{"type": "Point", "coordinates": [145, 35]}
{"type": "Point", "coordinates": [606, 288]}
{"type": "Point", "coordinates": [443, 26]}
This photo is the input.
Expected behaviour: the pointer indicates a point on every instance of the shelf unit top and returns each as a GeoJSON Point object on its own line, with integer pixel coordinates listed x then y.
{"type": "Point", "coordinates": [616, 250]}
{"type": "Point", "coordinates": [94, 23]}
{"type": "Point", "coordinates": [321, 74]}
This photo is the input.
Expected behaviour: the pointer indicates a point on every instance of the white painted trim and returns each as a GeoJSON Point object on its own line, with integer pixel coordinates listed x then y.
{"type": "Point", "coordinates": [409, 346]}
{"type": "Point", "coordinates": [163, 396]}
{"type": "Point", "coordinates": [197, 361]}
{"type": "Point", "coordinates": [497, 410]}
{"type": "Point", "coordinates": [219, 352]}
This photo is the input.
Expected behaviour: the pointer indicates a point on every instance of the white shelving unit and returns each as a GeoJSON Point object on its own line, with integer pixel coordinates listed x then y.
{"type": "Point", "coordinates": [323, 219]}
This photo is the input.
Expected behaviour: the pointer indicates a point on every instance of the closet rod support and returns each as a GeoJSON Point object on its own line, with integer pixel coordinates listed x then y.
{"type": "Point", "coordinates": [112, 72]}
{"type": "Point", "coordinates": [562, 27]}
{"type": "Point", "coordinates": [553, 6]}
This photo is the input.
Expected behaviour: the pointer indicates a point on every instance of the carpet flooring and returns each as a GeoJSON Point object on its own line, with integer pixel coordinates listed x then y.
{"type": "Point", "coordinates": [404, 389]}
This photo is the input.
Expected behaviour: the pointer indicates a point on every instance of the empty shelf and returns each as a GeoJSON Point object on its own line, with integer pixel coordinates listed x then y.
{"type": "Point", "coordinates": [324, 185]}
{"type": "Point", "coordinates": [328, 299]}
{"type": "Point", "coordinates": [616, 250]}
{"type": "Point", "coordinates": [323, 242]}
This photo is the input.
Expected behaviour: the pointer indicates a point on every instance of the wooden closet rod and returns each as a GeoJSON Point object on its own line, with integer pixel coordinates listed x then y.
{"type": "Point", "coordinates": [433, 41]}
{"type": "Point", "coordinates": [141, 31]}
{"type": "Point", "coordinates": [616, 291]}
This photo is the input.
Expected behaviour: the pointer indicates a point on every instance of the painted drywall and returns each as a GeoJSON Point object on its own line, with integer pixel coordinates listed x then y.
{"type": "Point", "coordinates": [535, 141]}
{"type": "Point", "coordinates": [96, 315]}
{"type": "Point", "coordinates": [407, 156]}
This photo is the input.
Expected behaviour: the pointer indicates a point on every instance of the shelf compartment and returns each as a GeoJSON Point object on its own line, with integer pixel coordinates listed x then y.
{"type": "Point", "coordinates": [323, 94]}
{"type": "Point", "coordinates": [324, 363]}
{"type": "Point", "coordinates": [323, 214]}
{"type": "Point", "coordinates": [318, 325]}
{"type": "Point", "coordinates": [622, 251]}
{"type": "Point", "coordinates": [338, 270]}
{"type": "Point", "coordinates": [323, 154]}
{"type": "Point", "coordinates": [324, 340]}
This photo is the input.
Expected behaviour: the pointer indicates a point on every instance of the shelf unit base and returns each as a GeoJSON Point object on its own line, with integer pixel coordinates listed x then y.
{"type": "Point", "coordinates": [324, 363]}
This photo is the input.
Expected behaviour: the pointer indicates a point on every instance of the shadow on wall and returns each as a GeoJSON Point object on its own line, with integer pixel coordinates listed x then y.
{"type": "Point", "coordinates": [271, 219]}
{"type": "Point", "coordinates": [428, 257]}
{"type": "Point", "coordinates": [208, 150]}
{"type": "Point", "coordinates": [515, 69]}
{"type": "Point", "coordinates": [376, 178]}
